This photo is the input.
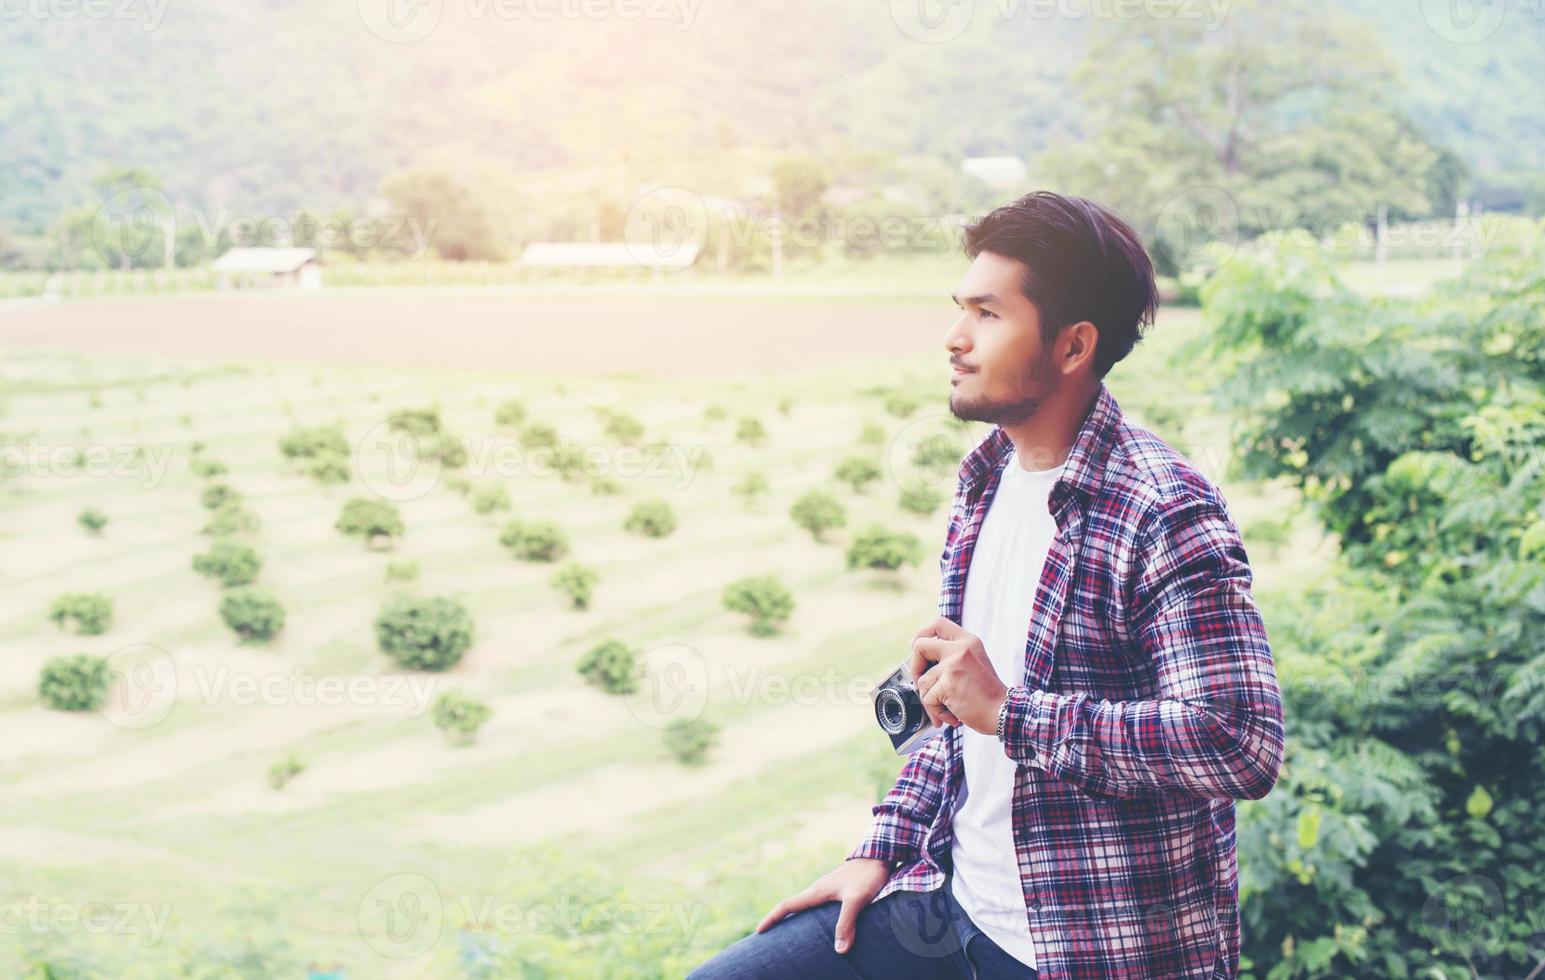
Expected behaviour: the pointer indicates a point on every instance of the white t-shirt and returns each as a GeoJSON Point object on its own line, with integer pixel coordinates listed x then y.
{"type": "Point", "coordinates": [1000, 591]}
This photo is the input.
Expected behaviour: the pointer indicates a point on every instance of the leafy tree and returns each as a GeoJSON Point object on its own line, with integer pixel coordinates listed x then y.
{"type": "Point", "coordinates": [252, 614]}
{"type": "Point", "coordinates": [902, 403]}
{"type": "Point", "coordinates": [535, 540]}
{"type": "Point", "coordinates": [921, 499]}
{"type": "Point", "coordinates": [377, 522]}
{"type": "Point", "coordinates": [230, 518]}
{"type": "Point", "coordinates": [74, 683]}
{"type": "Point", "coordinates": [459, 715]}
{"type": "Point", "coordinates": [751, 486]}
{"type": "Point", "coordinates": [612, 666]}
{"type": "Point", "coordinates": [653, 518]}
{"type": "Point", "coordinates": [468, 222]}
{"type": "Point", "coordinates": [90, 612]}
{"type": "Point", "coordinates": [402, 570]}
{"type": "Point", "coordinates": [605, 486]}
{"type": "Point", "coordinates": [416, 421]}
{"type": "Point", "coordinates": [764, 598]}
{"type": "Point", "coordinates": [538, 435]}
{"type": "Point", "coordinates": [577, 582]}
{"type": "Point", "coordinates": [424, 633]}
{"type": "Point", "coordinates": [876, 547]}
{"type": "Point", "coordinates": [624, 428]}
{"type": "Point", "coordinates": [818, 512]}
{"type": "Point", "coordinates": [232, 562]}
{"type": "Point", "coordinates": [1405, 836]}
{"type": "Point", "coordinates": [207, 468]}
{"type": "Point", "coordinates": [92, 520]}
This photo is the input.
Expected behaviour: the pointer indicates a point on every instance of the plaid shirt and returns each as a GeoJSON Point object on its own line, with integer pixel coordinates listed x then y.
{"type": "Point", "coordinates": [1149, 703]}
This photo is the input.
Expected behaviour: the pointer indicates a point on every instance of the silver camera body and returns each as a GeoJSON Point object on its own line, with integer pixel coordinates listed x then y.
{"type": "Point", "coordinates": [899, 710]}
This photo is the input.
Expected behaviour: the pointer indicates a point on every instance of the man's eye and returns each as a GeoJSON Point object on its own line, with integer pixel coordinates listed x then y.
{"type": "Point", "coordinates": [989, 315]}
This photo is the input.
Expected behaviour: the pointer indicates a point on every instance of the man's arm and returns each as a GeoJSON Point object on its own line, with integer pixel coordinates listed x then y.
{"type": "Point", "coordinates": [904, 815]}
{"type": "Point", "coordinates": [1215, 727]}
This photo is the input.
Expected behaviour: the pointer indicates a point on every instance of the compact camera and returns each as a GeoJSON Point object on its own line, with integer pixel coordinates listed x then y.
{"type": "Point", "coordinates": [899, 710]}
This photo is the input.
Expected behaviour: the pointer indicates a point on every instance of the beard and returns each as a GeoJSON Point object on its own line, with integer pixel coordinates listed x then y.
{"type": "Point", "coordinates": [1035, 384]}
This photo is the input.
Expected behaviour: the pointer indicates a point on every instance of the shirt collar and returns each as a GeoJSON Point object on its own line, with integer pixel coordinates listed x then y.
{"type": "Point", "coordinates": [1084, 470]}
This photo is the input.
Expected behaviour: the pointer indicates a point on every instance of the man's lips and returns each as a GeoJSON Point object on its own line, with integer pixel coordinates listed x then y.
{"type": "Point", "coordinates": [956, 370]}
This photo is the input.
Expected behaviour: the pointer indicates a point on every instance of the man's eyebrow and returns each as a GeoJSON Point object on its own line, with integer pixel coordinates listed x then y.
{"type": "Point", "coordinates": [974, 300]}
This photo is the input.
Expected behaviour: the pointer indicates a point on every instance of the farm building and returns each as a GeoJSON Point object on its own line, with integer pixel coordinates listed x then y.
{"type": "Point", "coordinates": [279, 268]}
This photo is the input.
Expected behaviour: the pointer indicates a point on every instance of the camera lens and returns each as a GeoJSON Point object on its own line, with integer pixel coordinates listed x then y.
{"type": "Point", "coordinates": [891, 711]}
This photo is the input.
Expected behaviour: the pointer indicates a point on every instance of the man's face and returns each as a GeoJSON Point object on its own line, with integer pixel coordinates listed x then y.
{"type": "Point", "coordinates": [1000, 371]}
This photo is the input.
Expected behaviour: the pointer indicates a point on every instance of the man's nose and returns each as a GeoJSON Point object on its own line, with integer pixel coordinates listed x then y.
{"type": "Point", "coordinates": [957, 339]}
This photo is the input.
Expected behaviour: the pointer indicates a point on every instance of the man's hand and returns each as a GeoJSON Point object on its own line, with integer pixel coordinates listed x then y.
{"type": "Point", "coordinates": [854, 884]}
{"type": "Point", "coordinates": [960, 686]}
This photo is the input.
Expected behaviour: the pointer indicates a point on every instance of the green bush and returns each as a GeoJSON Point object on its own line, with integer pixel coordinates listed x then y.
{"type": "Point", "coordinates": [569, 461]}
{"type": "Point", "coordinates": [207, 468]}
{"type": "Point", "coordinates": [534, 540]}
{"type": "Point", "coordinates": [375, 521]}
{"type": "Point", "coordinates": [576, 581]}
{"type": "Point", "coordinates": [764, 598]}
{"type": "Point", "coordinates": [875, 547]}
{"type": "Point", "coordinates": [753, 485]}
{"type": "Point", "coordinates": [611, 666]}
{"type": "Point", "coordinates": [315, 442]}
{"type": "Point", "coordinates": [459, 715]}
{"type": "Point", "coordinates": [282, 772]}
{"type": "Point", "coordinates": [217, 494]}
{"type": "Point", "coordinates": [424, 633]}
{"type": "Point", "coordinates": [624, 428]}
{"type": "Point", "coordinates": [230, 518]}
{"type": "Point", "coordinates": [330, 469]}
{"type": "Point", "coordinates": [750, 430]}
{"type": "Point", "coordinates": [715, 413]}
{"type": "Point", "coordinates": [652, 518]}
{"type": "Point", "coordinates": [872, 435]}
{"type": "Point", "coordinates": [921, 499]}
{"type": "Point", "coordinates": [690, 740]}
{"type": "Point", "coordinates": [402, 570]}
{"type": "Point", "coordinates": [538, 435]}
{"type": "Point", "coordinates": [231, 562]}
{"type": "Point", "coordinates": [818, 512]}
{"type": "Point", "coordinates": [605, 486]}
{"type": "Point", "coordinates": [486, 498]}
{"type": "Point", "coordinates": [419, 422]}
{"type": "Point", "coordinates": [74, 683]}
{"type": "Point", "coordinates": [902, 403]}
{"type": "Point", "coordinates": [252, 614]}
{"type": "Point", "coordinates": [858, 472]}
{"type": "Point", "coordinates": [90, 612]}
{"type": "Point", "coordinates": [510, 414]}
{"type": "Point", "coordinates": [458, 483]}
{"type": "Point", "coordinates": [92, 520]}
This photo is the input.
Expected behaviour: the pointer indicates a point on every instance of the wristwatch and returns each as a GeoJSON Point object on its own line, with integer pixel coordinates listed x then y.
{"type": "Point", "coordinates": [1003, 716]}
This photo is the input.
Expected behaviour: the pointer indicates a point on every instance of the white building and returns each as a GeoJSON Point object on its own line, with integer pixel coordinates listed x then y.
{"type": "Point", "coordinates": [282, 268]}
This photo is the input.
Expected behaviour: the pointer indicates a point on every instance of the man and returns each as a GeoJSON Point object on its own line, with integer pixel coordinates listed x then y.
{"type": "Point", "coordinates": [1099, 667]}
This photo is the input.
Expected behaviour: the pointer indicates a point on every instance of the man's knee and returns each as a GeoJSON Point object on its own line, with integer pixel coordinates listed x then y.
{"type": "Point", "coordinates": [798, 944]}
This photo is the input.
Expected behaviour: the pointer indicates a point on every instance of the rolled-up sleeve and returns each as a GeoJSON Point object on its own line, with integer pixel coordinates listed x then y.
{"type": "Point", "coordinates": [1214, 726]}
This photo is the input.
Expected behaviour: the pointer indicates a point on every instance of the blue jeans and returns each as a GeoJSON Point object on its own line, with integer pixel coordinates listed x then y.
{"type": "Point", "coordinates": [921, 935]}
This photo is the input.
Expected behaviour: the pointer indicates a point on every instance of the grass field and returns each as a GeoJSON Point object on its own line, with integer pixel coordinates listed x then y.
{"type": "Point", "coordinates": [176, 818]}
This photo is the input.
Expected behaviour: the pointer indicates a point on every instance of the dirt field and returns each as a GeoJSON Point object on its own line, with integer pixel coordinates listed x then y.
{"type": "Point", "coordinates": [661, 336]}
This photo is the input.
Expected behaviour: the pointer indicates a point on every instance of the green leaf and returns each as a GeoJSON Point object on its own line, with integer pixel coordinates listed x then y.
{"type": "Point", "coordinates": [1479, 803]}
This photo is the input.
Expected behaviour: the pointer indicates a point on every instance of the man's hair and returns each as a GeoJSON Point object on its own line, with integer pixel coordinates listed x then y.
{"type": "Point", "coordinates": [1081, 262]}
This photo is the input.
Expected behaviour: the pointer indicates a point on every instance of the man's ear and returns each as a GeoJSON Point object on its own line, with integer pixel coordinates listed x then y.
{"type": "Point", "coordinates": [1076, 346]}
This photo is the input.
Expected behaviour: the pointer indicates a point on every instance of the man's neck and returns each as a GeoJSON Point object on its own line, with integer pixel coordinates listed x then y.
{"type": "Point", "coordinates": [1044, 440]}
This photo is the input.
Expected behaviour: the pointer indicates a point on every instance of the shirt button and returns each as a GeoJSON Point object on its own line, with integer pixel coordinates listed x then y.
{"type": "Point", "coordinates": [1035, 902]}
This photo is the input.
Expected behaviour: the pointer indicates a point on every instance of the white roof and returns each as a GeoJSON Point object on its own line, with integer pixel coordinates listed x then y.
{"type": "Point", "coordinates": [609, 255]}
{"type": "Point", "coordinates": [264, 259]}
{"type": "Point", "coordinates": [994, 170]}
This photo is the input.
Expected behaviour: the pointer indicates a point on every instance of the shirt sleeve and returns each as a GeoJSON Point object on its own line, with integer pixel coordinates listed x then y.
{"type": "Point", "coordinates": [1214, 727]}
{"type": "Point", "coordinates": [903, 817]}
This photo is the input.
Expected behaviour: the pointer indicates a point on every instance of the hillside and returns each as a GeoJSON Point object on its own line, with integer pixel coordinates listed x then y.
{"type": "Point", "coordinates": [271, 104]}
